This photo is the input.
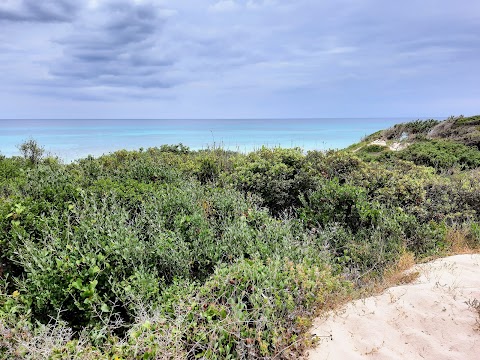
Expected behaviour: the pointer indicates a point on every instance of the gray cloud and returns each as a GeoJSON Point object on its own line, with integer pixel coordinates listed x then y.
{"type": "Point", "coordinates": [241, 55]}
{"type": "Point", "coordinates": [117, 44]}
{"type": "Point", "coordinates": [39, 11]}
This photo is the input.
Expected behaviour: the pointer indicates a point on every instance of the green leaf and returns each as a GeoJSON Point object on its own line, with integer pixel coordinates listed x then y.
{"type": "Point", "coordinates": [94, 270]}
{"type": "Point", "coordinates": [77, 284]}
{"type": "Point", "coordinates": [93, 284]}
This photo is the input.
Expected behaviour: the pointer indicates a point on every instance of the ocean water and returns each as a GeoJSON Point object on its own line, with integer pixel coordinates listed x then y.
{"type": "Point", "coordinates": [74, 139]}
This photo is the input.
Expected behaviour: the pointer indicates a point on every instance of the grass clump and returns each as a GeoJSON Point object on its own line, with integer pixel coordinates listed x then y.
{"type": "Point", "coordinates": [474, 304]}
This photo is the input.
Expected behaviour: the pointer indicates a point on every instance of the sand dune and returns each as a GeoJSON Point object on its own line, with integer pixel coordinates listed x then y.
{"type": "Point", "coordinates": [427, 319]}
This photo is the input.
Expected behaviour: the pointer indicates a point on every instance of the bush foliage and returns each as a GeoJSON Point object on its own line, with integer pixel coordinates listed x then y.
{"type": "Point", "coordinates": [172, 253]}
{"type": "Point", "coordinates": [441, 154]}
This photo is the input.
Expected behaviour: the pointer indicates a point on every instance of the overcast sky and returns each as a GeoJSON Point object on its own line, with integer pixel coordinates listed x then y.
{"type": "Point", "coordinates": [239, 58]}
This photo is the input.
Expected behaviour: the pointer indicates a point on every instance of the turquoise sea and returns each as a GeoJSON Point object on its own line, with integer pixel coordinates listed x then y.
{"type": "Point", "coordinates": [73, 139]}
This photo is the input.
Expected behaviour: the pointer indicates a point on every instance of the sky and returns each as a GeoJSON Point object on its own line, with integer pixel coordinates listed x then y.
{"type": "Point", "coordinates": [238, 58]}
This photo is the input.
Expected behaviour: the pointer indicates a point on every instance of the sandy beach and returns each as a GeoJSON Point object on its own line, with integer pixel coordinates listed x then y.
{"type": "Point", "coordinates": [427, 319]}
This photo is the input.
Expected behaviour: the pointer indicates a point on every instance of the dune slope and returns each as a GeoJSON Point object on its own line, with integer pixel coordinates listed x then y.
{"type": "Point", "coordinates": [428, 319]}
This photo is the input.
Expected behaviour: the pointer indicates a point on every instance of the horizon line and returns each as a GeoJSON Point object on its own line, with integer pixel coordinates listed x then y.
{"type": "Point", "coordinates": [246, 118]}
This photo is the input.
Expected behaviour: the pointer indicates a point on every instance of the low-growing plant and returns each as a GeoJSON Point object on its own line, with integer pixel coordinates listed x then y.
{"type": "Point", "coordinates": [474, 304]}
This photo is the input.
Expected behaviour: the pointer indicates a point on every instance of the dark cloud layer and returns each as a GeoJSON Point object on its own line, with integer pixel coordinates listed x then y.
{"type": "Point", "coordinates": [39, 10]}
{"type": "Point", "coordinates": [115, 44]}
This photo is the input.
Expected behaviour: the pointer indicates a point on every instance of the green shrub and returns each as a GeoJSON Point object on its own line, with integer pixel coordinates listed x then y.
{"type": "Point", "coordinates": [176, 149]}
{"type": "Point", "coordinates": [441, 154]}
{"type": "Point", "coordinates": [398, 183]}
{"type": "Point", "coordinates": [87, 262]}
{"type": "Point", "coordinates": [251, 309]}
{"type": "Point", "coordinates": [474, 233]}
{"type": "Point", "coordinates": [415, 128]}
{"type": "Point", "coordinates": [344, 204]}
{"type": "Point", "coordinates": [31, 151]}
{"type": "Point", "coordinates": [276, 175]}
{"type": "Point", "coordinates": [12, 176]}
{"type": "Point", "coordinates": [372, 137]}
{"type": "Point", "coordinates": [332, 164]}
{"type": "Point", "coordinates": [370, 153]}
{"type": "Point", "coordinates": [374, 149]}
{"type": "Point", "coordinates": [209, 170]}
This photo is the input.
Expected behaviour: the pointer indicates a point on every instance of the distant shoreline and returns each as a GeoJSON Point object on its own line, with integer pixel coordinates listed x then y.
{"type": "Point", "coordinates": [75, 139]}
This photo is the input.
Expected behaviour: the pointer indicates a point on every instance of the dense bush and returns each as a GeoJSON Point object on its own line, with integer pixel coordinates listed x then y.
{"type": "Point", "coordinates": [276, 175]}
{"type": "Point", "coordinates": [396, 183]}
{"type": "Point", "coordinates": [254, 308]}
{"type": "Point", "coordinates": [441, 154]}
{"type": "Point", "coordinates": [343, 204]}
{"type": "Point", "coordinates": [332, 164]}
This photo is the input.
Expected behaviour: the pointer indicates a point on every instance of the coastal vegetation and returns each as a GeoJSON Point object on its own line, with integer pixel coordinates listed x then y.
{"type": "Point", "coordinates": [168, 253]}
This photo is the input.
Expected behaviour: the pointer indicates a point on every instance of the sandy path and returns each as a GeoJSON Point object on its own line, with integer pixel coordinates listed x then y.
{"type": "Point", "coordinates": [427, 319]}
{"type": "Point", "coordinates": [395, 146]}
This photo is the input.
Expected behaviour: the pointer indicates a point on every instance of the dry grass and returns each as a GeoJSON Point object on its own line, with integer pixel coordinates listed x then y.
{"type": "Point", "coordinates": [457, 242]}
{"type": "Point", "coordinates": [474, 304]}
{"type": "Point", "coordinates": [395, 275]}
{"type": "Point", "coordinates": [398, 274]}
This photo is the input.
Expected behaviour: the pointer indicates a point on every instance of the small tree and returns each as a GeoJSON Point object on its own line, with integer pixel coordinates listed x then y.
{"type": "Point", "coordinates": [31, 151]}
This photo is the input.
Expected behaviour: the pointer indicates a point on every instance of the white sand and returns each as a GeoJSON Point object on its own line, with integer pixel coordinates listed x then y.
{"type": "Point", "coordinates": [427, 319]}
{"type": "Point", "coordinates": [394, 146]}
